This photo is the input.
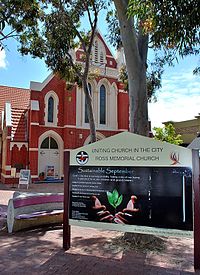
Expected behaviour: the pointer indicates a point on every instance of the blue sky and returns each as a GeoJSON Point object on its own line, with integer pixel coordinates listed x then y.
{"type": "Point", "coordinates": [178, 100]}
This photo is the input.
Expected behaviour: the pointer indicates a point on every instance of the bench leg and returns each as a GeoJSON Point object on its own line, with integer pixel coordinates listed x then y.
{"type": "Point", "coordinates": [10, 216]}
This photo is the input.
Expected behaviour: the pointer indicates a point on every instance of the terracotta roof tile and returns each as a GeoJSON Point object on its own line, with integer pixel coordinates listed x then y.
{"type": "Point", "coordinates": [20, 100]}
{"type": "Point", "coordinates": [18, 97]}
{"type": "Point", "coordinates": [19, 131]}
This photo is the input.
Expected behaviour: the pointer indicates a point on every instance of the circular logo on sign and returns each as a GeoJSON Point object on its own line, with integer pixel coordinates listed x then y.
{"type": "Point", "coordinates": [82, 158]}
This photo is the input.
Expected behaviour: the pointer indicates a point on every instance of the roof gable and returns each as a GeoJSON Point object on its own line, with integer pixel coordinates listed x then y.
{"type": "Point", "coordinates": [108, 51]}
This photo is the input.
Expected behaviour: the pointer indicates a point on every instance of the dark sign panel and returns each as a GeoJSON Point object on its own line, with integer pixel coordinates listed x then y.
{"type": "Point", "coordinates": [150, 196]}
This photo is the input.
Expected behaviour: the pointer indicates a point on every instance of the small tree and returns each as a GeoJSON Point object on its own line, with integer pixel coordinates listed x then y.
{"type": "Point", "coordinates": [167, 133]}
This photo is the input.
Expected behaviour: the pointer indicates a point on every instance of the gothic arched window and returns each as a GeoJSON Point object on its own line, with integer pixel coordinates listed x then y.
{"type": "Point", "coordinates": [102, 104]}
{"type": "Point", "coordinates": [49, 143]}
{"type": "Point", "coordinates": [50, 109]}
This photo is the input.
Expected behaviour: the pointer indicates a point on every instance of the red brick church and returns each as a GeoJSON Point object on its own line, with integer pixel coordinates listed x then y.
{"type": "Point", "coordinates": [40, 123]}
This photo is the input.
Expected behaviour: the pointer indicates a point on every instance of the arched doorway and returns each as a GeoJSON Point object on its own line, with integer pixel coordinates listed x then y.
{"type": "Point", "coordinates": [50, 154]}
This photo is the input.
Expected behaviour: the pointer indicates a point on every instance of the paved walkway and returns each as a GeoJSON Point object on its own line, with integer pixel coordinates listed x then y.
{"type": "Point", "coordinates": [92, 251]}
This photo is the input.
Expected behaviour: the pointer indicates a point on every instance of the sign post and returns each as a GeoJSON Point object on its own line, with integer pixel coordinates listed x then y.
{"type": "Point", "coordinates": [196, 183]}
{"type": "Point", "coordinates": [66, 226]}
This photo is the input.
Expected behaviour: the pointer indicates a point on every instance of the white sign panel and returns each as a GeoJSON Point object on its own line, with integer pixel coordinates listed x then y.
{"type": "Point", "coordinates": [127, 149]}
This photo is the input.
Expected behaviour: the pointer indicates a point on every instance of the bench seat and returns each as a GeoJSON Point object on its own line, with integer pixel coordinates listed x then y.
{"type": "Point", "coordinates": [27, 210]}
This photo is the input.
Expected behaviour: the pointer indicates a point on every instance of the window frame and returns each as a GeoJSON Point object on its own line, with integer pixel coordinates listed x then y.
{"type": "Point", "coordinates": [55, 108]}
{"type": "Point", "coordinates": [102, 104]}
{"type": "Point", "coordinates": [49, 138]}
{"type": "Point", "coordinates": [50, 116]}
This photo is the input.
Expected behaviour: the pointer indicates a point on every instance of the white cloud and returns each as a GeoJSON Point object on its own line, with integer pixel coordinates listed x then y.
{"type": "Point", "coordinates": [3, 62]}
{"type": "Point", "coordinates": [178, 100]}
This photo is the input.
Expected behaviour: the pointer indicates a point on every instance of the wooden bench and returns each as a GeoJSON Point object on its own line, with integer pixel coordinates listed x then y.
{"type": "Point", "coordinates": [28, 210]}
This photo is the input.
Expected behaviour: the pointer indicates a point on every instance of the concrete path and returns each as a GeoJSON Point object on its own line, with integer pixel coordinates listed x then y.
{"type": "Point", "coordinates": [92, 251]}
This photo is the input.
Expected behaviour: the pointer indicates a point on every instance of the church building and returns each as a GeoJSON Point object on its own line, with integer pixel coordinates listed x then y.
{"type": "Point", "coordinates": [40, 123]}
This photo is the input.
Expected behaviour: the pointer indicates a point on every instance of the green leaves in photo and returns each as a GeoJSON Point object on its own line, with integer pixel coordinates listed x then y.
{"type": "Point", "coordinates": [114, 198]}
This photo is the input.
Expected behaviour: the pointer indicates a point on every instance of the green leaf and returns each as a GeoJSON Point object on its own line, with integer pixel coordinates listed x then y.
{"type": "Point", "coordinates": [115, 195]}
{"type": "Point", "coordinates": [119, 200]}
{"type": "Point", "coordinates": [114, 199]}
{"type": "Point", "coordinates": [110, 198]}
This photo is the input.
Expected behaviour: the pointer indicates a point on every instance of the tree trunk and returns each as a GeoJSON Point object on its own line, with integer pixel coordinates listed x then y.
{"type": "Point", "coordinates": [89, 111]}
{"type": "Point", "coordinates": [135, 49]}
{"type": "Point", "coordinates": [138, 103]}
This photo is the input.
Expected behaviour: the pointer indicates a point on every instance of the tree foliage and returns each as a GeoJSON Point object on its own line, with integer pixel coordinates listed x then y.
{"type": "Point", "coordinates": [172, 24]}
{"type": "Point", "coordinates": [167, 133]}
{"type": "Point", "coordinates": [15, 15]}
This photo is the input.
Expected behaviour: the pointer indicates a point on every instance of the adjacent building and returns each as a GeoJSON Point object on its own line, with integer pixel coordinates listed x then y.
{"type": "Point", "coordinates": [188, 129]}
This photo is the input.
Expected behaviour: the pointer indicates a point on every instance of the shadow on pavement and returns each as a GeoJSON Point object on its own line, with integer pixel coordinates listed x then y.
{"type": "Point", "coordinates": [40, 251]}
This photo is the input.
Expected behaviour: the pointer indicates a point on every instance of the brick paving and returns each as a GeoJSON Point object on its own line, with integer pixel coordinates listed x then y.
{"type": "Point", "coordinates": [92, 251]}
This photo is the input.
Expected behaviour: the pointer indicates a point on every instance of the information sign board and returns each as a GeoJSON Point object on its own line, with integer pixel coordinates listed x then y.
{"type": "Point", "coordinates": [132, 180]}
{"type": "Point", "coordinates": [133, 183]}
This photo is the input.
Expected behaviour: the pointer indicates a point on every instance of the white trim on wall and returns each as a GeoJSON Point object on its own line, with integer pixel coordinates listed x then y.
{"type": "Point", "coordinates": [122, 130]}
{"type": "Point", "coordinates": [33, 149]}
{"type": "Point", "coordinates": [122, 91]}
{"type": "Point", "coordinates": [38, 86]}
{"type": "Point", "coordinates": [34, 176]}
{"type": "Point", "coordinates": [19, 144]}
{"type": "Point", "coordinates": [70, 126]}
{"type": "Point", "coordinates": [35, 124]}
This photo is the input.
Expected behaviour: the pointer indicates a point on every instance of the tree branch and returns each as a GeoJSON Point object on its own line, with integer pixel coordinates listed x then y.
{"type": "Point", "coordinates": [89, 15]}
{"type": "Point", "coordinates": [93, 30]}
{"type": "Point", "coordinates": [9, 35]}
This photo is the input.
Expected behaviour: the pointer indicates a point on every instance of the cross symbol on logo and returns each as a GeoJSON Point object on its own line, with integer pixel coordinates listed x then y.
{"type": "Point", "coordinates": [82, 158]}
